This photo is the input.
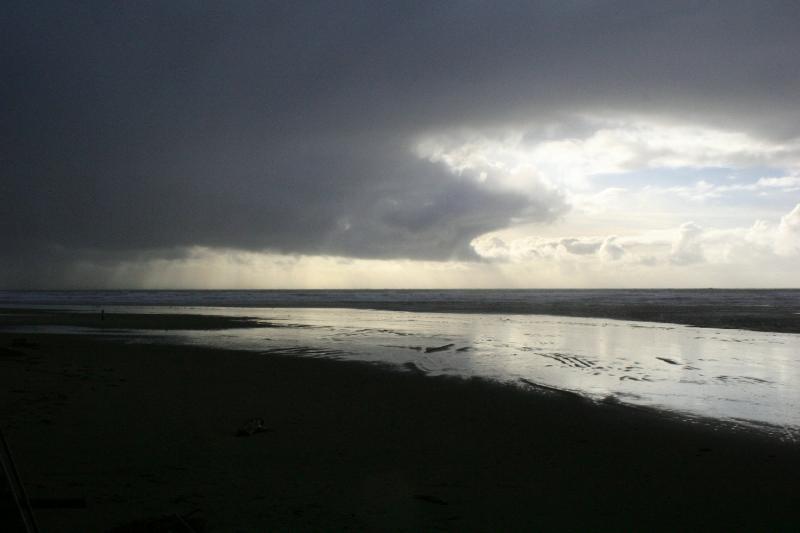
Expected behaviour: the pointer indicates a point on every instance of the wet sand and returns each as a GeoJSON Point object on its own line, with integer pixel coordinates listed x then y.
{"type": "Point", "coordinates": [139, 431]}
{"type": "Point", "coordinates": [777, 319]}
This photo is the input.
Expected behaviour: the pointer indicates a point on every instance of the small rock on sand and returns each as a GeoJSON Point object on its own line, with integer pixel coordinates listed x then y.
{"type": "Point", "coordinates": [251, 427]}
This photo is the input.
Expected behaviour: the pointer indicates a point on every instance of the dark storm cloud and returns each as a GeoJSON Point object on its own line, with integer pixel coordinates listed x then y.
{"type": "Point", "coordinates": [287, 126]}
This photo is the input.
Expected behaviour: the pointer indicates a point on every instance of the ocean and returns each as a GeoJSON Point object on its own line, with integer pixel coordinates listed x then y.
{"type": "Point", "coordinates": [756, 309]}
{"type": "Point", "coordinates": [480, 300]}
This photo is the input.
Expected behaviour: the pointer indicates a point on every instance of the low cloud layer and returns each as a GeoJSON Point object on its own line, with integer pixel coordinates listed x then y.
{"type": "Point", "coordinates": [377, 131]}
{"type": "Point", "coordinates": [764, 243]}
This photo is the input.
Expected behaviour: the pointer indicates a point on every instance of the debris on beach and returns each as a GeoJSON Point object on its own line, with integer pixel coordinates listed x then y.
{"type": "Point", "coordinates": [430, 499]}
{"type": "Point", "coordinates": [252, 427]}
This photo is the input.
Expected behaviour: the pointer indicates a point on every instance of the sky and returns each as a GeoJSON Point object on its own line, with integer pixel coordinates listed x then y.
{"type": "Point", "coordinates": [558, 143]}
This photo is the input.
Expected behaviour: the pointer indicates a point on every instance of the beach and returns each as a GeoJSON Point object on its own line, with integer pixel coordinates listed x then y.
{"type": "Point", "coordinates": [775, 310]}
{"type": "Point", "coordinates": [400, 266]}
{"type": "Point", "coordinates": [137, 431]}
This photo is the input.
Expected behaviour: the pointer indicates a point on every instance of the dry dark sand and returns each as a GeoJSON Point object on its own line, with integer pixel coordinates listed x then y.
{"type": "Point", "coordinates": [142, 431]}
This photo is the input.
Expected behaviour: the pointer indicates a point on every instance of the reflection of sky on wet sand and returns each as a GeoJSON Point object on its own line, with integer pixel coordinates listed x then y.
{"type": "Point", "coordinates": [728, 374]}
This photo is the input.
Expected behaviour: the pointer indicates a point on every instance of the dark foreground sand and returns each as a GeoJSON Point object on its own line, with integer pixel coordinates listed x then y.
{"type": "Point", "coordinates": [141, 431]}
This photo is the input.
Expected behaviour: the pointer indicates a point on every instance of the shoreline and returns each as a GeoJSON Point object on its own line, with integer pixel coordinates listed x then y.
{"type": "Point", "coordinates": [143, 430]}
{"type": "Point", "coordinates": [191, 326]}
{"type": "Point", "coordinates": [784, 319]}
